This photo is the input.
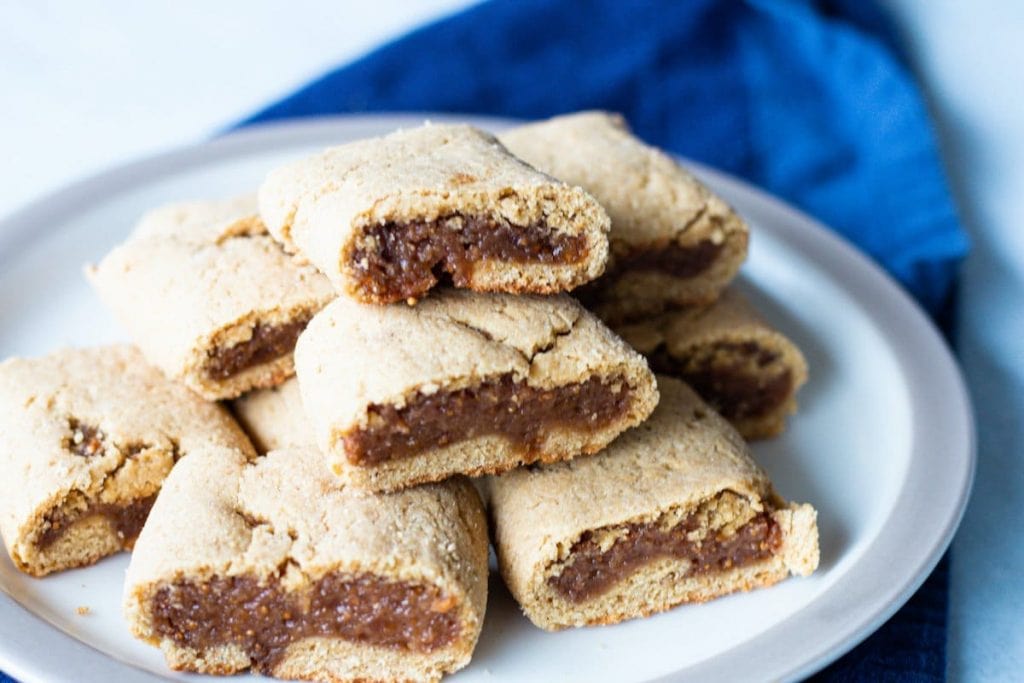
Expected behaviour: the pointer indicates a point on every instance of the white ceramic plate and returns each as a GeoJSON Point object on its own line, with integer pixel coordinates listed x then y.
{"type": "Point", "coordinates": [883, 444]}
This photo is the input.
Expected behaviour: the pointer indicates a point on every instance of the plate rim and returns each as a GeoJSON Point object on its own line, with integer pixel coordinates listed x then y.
{"type": "Point", "coordinates": [26, 639]}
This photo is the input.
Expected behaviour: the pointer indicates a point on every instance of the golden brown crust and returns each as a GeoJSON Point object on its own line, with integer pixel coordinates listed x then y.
{"type": "Point", "coordinates": [652, 201]}
{"type": "Point", "coordinates": [683, 456]}
{"type": "Point", "coordinates": [285, 510]}
{"type": "Point", "coordinates": [86, 427]}
{"type": "Point", "coordinates": [354, 356]}
{"type": "Point", "coordinates": [322, 206]}
{"type": "Point", "coordinates": [274, 418]}
{"type": "Point", "coordinates": [159, 282]}
{"type": "Point", "coordinates": [708, 336]}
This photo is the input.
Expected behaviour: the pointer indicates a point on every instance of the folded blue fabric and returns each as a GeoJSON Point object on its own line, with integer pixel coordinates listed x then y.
{"type": "Point", "coordinates": [809, 100]}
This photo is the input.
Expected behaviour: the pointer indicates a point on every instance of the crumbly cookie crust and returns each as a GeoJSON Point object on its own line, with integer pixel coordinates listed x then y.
{"type": "Point", "coordinates": [681, 457]}
{"type": "Point", "coordinates": [729, 334]}
{"type": "Point", "coordinates": [653, 203]}
{"type": "Point", "coordinates": [86, 431]}
{"type": "Point", "coordinates": [198, 280]}
{"type": "Point", "coordinates": [282, 520]}
{"type": "Point", "coordinates": [327, 207]}
{"type": "Point", "coordinates": [355, 356]}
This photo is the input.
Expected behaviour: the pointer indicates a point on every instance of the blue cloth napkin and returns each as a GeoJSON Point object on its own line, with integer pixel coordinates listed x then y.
{"type": "Point", "coordinates": [810, 100]}
{"type": "Point", "coordinates": [805, 99]}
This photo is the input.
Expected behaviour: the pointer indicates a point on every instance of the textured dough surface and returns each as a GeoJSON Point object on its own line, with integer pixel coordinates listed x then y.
{"type": "Point", "coordinates": [321, 206]}
{"type": "Point", "coordinates": [195, 276]}
{"type": "Point", "coordinates": [651, 201]}
{"type": "Point", "coordinates": [283, 517]}
{"type": "Point", "coordinates": [274, 418]}
{"type": "Point", "coordinates": [146, 423]}
{"type": "Point", "coordinates": [353, 356]}
{"type": "Point", "coordinates": [732, 319]}
{"type": "Point", "coordinates": [682, 455]}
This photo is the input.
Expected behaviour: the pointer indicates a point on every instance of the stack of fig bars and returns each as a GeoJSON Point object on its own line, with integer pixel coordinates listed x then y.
{"type": "Point", "coordinates": [418, 287]}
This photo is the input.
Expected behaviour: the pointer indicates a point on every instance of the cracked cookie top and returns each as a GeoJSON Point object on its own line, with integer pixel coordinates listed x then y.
{"type": "Point", "coordinates": [647, 194]}
{"type": "Point", "coordinates": [98, 424]}
{"type": "Point", "coordinates": [159, 282]}
{"type": "Point", "coordinates": [284, 517]}
{"type": "Point", "coordinates": [356, 355]}
{"type": "Point", "coordinates": [385, 218]}
{"type": "Point", "coordinates": [416, 173]}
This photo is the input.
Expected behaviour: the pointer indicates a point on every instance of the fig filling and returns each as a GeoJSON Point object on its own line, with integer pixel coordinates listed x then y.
{"type": "Point", "coordinates": [672, 259]}
{"type": "Point", "coordinates": [593, 567]}
{"type": "Point", "coordinates": [263, 619]}
{"type": "Point", "coordinates": [397, 261]}
{"type": "Point", "coordinates": [85, 440]}
{"type": "Point", "coordinates": [740, 380]}
{"type": "Point", "coordinates": [126, 519]}
{"type": "Point", "coordinates": [503, 406]}
{"type": "Point", "coordinates": [268, 342]}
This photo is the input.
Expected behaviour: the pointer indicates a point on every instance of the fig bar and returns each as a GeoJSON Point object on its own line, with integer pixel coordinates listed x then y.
{"type": "Point", "coordinates": [268, 565]}
{"type": "Point", "coordinates": [465, 383]}
{"type": "Point", "coordinates": [86, 439]}
{"type": "Point", "coordinates": [210, 297]}
{"type": "Point", "coordinates": [748, 371]}
{"type": "Point", "coordinates": [674, 511]}
{"type": "Point", "coordinates": [672, 241]}
{"type": "Point", "coordinates": [274, 418]}
{"type": "Point", "coordinates": [388, 218]}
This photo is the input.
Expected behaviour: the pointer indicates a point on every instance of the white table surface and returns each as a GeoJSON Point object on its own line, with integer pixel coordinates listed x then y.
{"type": "Point", "coordinates": [84, 86]}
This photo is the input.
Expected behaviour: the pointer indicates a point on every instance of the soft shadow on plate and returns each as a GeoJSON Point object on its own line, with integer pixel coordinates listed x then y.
{"type": "Point", "coordinates": [820, 366]}
{"type": "Point", "coordinates": [499, 624]}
